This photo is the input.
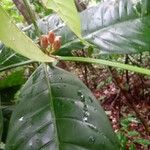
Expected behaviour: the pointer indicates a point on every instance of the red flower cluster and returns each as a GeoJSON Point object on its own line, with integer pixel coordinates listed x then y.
{"type": "Point", "coordinates": [52, 40]}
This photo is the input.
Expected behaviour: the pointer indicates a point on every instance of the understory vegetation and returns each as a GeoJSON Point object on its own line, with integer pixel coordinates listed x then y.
{"type": "Point", "coordinates": [75, 74]}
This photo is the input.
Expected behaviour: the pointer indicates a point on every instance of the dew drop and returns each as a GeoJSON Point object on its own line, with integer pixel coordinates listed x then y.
{"type": "Point", "coordinates": [85, 119]}
{"type": "Point", "coordinates": [81, 96]}
{"type": "Point", "coordinates": [86, 113]}
{"type": "Point", "coordinates": [93, 127]}
{"type": "Point", "coordinates": [30, 144]}
{"type": "Point", "coordinates": [91, 139]}
{"type": "Point", "coordinates": [21, 119]}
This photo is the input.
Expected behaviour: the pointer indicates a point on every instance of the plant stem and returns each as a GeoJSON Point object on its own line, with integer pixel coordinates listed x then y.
{"type": "Point", "coordinates": [37, 31]}
{"type": "Point", "coordinates": [17, 65]}
{"type": "Point", "coordinates": [107, 63]}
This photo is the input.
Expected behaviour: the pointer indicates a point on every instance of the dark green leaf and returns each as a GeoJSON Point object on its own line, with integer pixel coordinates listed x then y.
{"type": "Point", "coordinates": [9, 57]}
{"type": "Point", "coordinates": [58, 112]}
{"type": "Point", "coordinates": [142, 141]}
{"type": "Point", "coordinates": [132, 147]}
{"type": "Point", "coordinates": [113, 27]}
{"type": "Point", "coordinates": [14, 79]}
{"type": "Point", "coordinates": [133, 133]}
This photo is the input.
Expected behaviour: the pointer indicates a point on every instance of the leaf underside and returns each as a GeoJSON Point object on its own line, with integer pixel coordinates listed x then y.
{"type": "Point", "coordinates": [68, 13]}
{"type": "Point", "coordinates": [58, 112]}
{"type": "Point", "coordinates": [117, 27]}
{"type": "Point", "coordinates": [113, 27]}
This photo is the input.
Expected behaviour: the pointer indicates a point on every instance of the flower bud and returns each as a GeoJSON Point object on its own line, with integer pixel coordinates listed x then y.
{"type": "Point", "coordinates": [57, 43]}
{"type": "Point", "coordinates": [51, 37]}
{"type": "Point", "coordinates": [44, 41]}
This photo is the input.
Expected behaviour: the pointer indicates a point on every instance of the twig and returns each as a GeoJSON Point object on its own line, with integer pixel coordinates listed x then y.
{"type": "Point", "coordinates": [32, 16]}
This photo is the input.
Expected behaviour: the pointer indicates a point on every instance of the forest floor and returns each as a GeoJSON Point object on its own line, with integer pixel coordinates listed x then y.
{"type": "Point", "coordinates": [125, 121]}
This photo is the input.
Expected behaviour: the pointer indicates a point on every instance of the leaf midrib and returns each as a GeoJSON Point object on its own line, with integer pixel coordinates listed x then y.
{"type": "Point", "coordinates": [52, 106]}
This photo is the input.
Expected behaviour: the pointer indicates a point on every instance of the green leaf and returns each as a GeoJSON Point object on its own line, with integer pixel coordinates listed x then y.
{"type": "Point", "coordinates": [12, 37]}
{"type": "Point", "coordinates": [112, 26]}
{"type": "Point", "coordinates": [9, 57]}
{"type": "Point", "coordinates": [68, 12]}
{"type": "Point", "coordinates": [133, 133]}
{"type": "Point", "coordinates": [14, 79]}
{"type": "Point", "coordinates": [142, 141]}
{"type": "Point", "coordinates": [132, 147]}
{"type": "Point", "coordinates": [58, 112]}
{"type": "Point", "coordinates": [109, 63]}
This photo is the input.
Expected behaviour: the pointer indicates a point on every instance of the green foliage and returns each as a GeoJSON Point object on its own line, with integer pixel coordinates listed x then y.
{"type": "Point", "coordinates": [114, 27]}
{"type": "Point", "coordinates": [10, 8]}
{"type": "Point", "coordinates": [57, 111]}
{"type": "Point", "coordinates": [8, 57]}
{"type": "Point", "coordinates": [142, 141]}
{"type": "Point", "coordinates": [15, 39]}
{"type": "Point", "coordinates": [125, 133]}
{"type": "Point", "coordinates": [39, 8]}
{"type": "Point", "coordinates": [14, 79]}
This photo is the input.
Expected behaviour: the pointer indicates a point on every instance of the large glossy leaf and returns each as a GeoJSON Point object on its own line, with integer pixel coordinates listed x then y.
{"type": "Point", "coordinates": [117, 27]}
{"type": "Point", "coordinates": [12, 37]}
{"type": "Point", "coordinates": [58, 112]}
{"type": "Point", "coordinates": [68, 12]}
{"type": "Point", "coordinates": [121, 26]}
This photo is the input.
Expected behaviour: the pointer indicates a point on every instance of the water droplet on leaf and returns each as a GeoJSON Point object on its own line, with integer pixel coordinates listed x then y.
{"type": "Point", "coordinates": [91, 139]}
{"type": "Point", "coordinates": [21, 119]}
{"type": "Point", "coordinates": [85, 119]}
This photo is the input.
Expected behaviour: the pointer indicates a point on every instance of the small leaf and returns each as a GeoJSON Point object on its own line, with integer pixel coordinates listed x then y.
{"type": "Point", "coordinates": [132, 147]}
{"type": "Point", "coordinates": [67, 11]}
{"type": "Point", "coordinates": [14, 79]}
{"type": "Point", "coordinates": [142, 141]}
{"type": "Point", "coordinates": [133, 133]}
{"type": "Point", "coordinates": [12, 37]}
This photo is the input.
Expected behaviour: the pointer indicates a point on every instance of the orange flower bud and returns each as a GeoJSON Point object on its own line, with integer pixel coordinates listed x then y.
{"type": "Point", "coordinates": [44, 41]}
{"type": "Point", "coordinates": [57, 43]}
{"type": "Point", "coordinates": [51, 37]}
